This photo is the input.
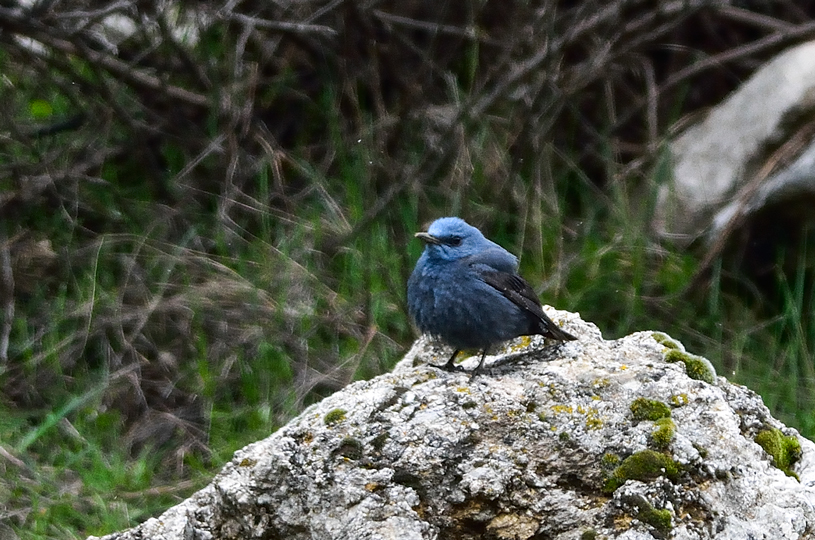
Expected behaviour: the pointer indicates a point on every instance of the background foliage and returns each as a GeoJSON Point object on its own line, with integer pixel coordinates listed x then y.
{"type": "Point", "coordinates": [206, 213]}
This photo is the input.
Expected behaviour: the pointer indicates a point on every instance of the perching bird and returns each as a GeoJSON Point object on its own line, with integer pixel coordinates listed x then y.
{"type": "Point", "coordinates": [466, 290]}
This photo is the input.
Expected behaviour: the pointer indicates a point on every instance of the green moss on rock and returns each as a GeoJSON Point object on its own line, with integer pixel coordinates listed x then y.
{"type": "Point", "coordinates": [334, 417]}
{"type": "Point", "coordinates": [696, 367]}
{"type": "Point", "coordinates": [665, 340]}
{"type": "Point", "coordinates": [663, 434]}
{"type": "Point", "coordinates": [590, 534]}
{"type": "Point", "coordinates": [379, 441]}
{"type": "Point", "coordinates": [610, 460]}
{"type": "Point", "coordinates": [679, 400]}
{"type": "Point", "coordinates": [785, 450]}
{"type": "Point", "coordinates": [643, 465]}
{"type": "Point", "coordinates": [531, 406]}
{"type": "Point", "coordinates": [350, 448]}
{"type": "Point", "coordinates": [649, 409]}
{"type": "Point", "coordinates": [658, 519]}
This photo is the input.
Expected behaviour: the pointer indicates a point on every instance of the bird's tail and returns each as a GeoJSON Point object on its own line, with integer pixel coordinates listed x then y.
{"type": "Point", "coordinates": [553, 331]}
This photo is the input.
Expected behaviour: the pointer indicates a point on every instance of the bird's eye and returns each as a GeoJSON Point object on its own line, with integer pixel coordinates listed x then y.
{"type": "Point", "coordinates": [454, 241]}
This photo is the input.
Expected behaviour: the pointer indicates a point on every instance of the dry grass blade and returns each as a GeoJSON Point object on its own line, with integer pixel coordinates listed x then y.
{"type": "Point", "coordinates": [6, 296]}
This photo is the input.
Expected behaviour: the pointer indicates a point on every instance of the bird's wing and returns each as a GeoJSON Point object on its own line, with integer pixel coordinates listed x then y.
{"type": "Point", "coordinates": [519, 292]}
{"type": "Point", "coordinates": [496, 258]}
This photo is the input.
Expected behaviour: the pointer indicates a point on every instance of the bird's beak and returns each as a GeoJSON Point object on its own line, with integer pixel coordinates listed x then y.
{"type": "Point", "coordinates": [428, 238]}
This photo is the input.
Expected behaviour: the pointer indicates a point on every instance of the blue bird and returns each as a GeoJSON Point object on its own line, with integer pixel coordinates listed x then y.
{"type": "Point", "coordinates": [466, 290]}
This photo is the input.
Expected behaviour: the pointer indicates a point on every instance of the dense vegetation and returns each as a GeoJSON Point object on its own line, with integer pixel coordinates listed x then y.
{"type": "Point", "coordinates": [206, 215]}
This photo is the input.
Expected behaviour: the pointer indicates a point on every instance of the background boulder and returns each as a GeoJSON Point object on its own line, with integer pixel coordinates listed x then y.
{"type": "Point", "coordinates": [723, 164]}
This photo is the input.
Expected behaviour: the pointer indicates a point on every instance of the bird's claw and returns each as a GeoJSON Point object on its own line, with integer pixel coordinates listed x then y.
{"type": "Point", "coordinates": [452, 368]}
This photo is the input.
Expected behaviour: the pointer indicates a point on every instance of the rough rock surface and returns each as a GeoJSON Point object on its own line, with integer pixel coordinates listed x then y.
{"type": "Point", "coordinates": [713, 159]}
{"type": "Point", "coordinates": [585, 439]}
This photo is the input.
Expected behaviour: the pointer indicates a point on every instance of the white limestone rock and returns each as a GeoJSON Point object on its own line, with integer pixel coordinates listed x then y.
{"type": "Point", "coordinates": [545, 445]}
{"type": "Point", "coordinates": [713, 159]}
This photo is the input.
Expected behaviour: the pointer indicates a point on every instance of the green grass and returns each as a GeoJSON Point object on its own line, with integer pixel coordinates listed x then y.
{"type": "Point", "coordinates": [75, 478]}
{"type": "Point", "coordinates": [270, 308]}
{"type": "Point", "coordinates": [184, 327]}
{"type": "Point", "coordinates": [264, 312]}
{"type": "Point", "coordinates": [288, 309]}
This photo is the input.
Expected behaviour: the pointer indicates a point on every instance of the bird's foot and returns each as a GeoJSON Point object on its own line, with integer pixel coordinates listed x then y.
{"type": "Point", "coordinates": [452, 368]}
{"type": "Point", "coordinates": [478, 369]}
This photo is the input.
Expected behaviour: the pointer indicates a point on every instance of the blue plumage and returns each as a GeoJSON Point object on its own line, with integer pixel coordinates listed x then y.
{"type": "Point", "coordinates": [465, 289]}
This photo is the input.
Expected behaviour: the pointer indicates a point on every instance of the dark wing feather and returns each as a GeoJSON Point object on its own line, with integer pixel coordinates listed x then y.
{"type": "Point", "coordinates": [518, 291]}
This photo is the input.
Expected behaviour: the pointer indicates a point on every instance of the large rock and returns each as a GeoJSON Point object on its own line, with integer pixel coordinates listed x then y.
{"type": "Point", "coordinates": [586, 439]}
{"type": "Point", "coordinates": [717, 161]}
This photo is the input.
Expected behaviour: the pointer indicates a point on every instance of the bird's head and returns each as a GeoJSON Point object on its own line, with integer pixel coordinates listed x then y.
{"type": "Point", "coordinates": [452, 238]}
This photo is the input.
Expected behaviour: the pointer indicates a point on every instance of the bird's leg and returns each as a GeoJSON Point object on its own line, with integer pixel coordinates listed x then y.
{"type": "Point", "coordinates": [477, 369]}
{"type": "Point", "coordinates": [450, 366]}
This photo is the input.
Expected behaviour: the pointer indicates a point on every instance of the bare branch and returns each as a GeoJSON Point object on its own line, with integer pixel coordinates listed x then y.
{"type": "Point", "coordinates": [283, 26]}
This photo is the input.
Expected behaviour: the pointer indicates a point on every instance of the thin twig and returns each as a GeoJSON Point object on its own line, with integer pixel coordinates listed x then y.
{"type": "Point", "coordinates": [121, 69]}
{"type": "Point", "coordinates": [283, 26]}
{"type": "Point", "coordinates": [11, 458]}
{"type": "Point", "coordinates": [7, 296]}
{"type": "Point", "coordinates": [433, 27]}
{"type": "Point", "coordinates": [94, 14]}
{"type": "Point", "coordinates": [756, 19]}
{"type": "Point", "coordinates": [737, 53]}
{"type": "Point", "coordinates": [745, 51]}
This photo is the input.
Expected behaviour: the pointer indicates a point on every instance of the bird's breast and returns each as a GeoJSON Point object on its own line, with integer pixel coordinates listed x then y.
{"type": "Point", "coordinates": [452, 302]}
